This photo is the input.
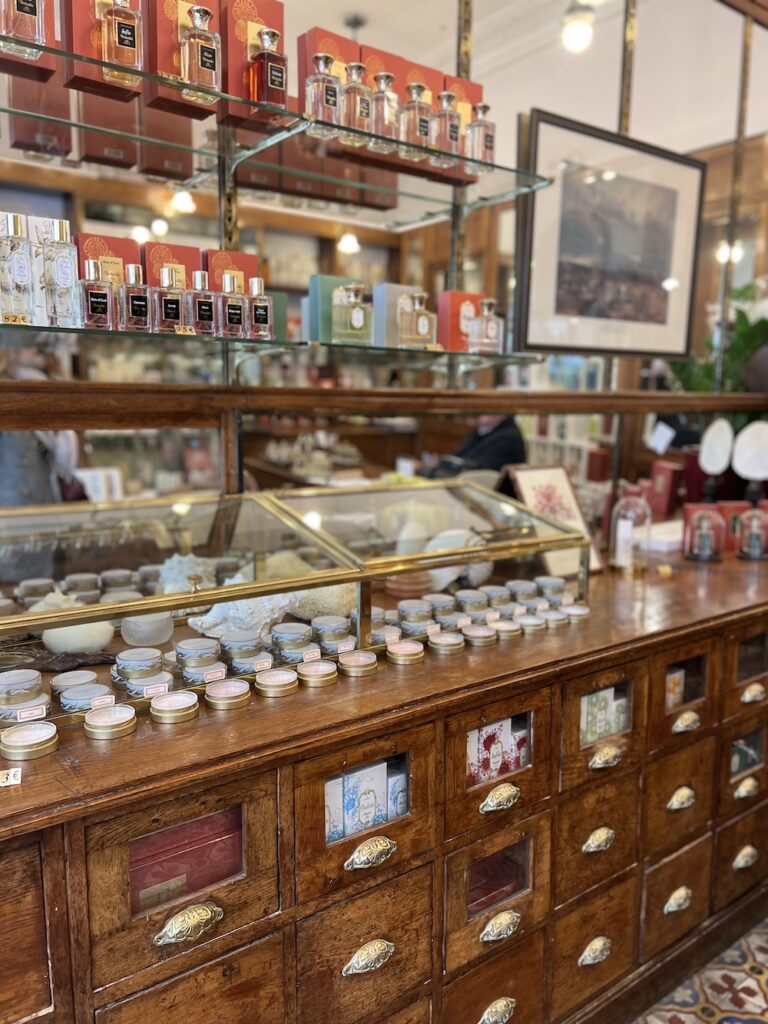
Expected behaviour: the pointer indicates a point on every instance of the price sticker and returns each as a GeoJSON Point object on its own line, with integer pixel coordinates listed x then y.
{"type": "Point", "coordinates": [432, 628]}
{"type": "Point", "coordinates": [155, 690]}
{"type": "Point", "coordinates": [492, 617]}
{"type": "Point", "coordinates": [463, 621]}
{"type": "Point", "coordinates": [215, 675]}
{"type": "Point", "coordinates": [28, 714]}
{"type": "Point", "coordinates": [190, 331]}
{"type": "Point", "coordinates": [312, 656]}
{"type": "Point", "coordinates": [103, 702]}
{"type": "Point", "coordinates": [16, 319]}
{"type": "Point", "coordinates": [10, 777]}
{"type": "Point", "coordinates": [345, 646]}
{"type": "Point", "coordinates": [263, 665]}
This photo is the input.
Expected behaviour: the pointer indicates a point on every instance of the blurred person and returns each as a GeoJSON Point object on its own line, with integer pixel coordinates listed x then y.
{"type": "Point", "coordinates": [495, 442]}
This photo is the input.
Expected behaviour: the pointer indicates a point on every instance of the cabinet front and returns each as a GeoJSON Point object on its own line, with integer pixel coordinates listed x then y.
{"type": "Point", "coordinates": [676, 898]}
{"type": "Point", "coordinates": [678, 797]}
{"type": "Point", "coordinates": [741, 856]}
{"type": "Point", "coordinates": [743, 774]}
{"type": "Point", "coordinates": [419, 1012]}
{"type": "Point", "coordinates": [746, 669]}
{"type": "Point", "coordinates": [498, 761]}
{"type": "Point", "coordinates": [683, 693]}
{"type": "Point", "coordinates": [179, 874]}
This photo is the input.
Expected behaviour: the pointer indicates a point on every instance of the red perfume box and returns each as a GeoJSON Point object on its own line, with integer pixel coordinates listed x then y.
{"type": "Point", "coordinates": [81, 30]}
{"type": "Point", "coordinates": [317, 40]}
{"type": "Point", "coordinates": [455, 310]}
{"type": "Point", "coordinates": [467, 95]}
{"type": "Point", "coordinates": [114, 253]}
{"type": "Point", "coordinates": [691, 508]}
{"type": "Point", "coordinates": [32, 133]}
{"type": "Point", "coordinates": [665, 482]}
{"type": "Point", "coordinates": [240, 23]}
{"type": "Point", "coordinates": [732, 511]}
{"type": "Point", "coordinates": [244, 264]}
{"type": "Point", "coordinates": [99, 147]}
{"type": "Point", "coordinates": [46, 64]}
{"type": "Point", "coordinates": [379, 60]}
{"type": "Point", "coordinates": [165, 24]}
{"type": "Point", "coordinates": [175, 162]}
{"type": "Point", "coordinates": [185, 258]}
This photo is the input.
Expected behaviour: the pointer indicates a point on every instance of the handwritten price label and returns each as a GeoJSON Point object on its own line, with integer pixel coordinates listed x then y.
{"type": "Point", "coordinates": [312, 656]}
{"type": "Point", "coordinates": [16, 319]}
{"type": "Point", "coordinates": [189, 331]}
{"type": "Point", "coordinates": [10, 777]}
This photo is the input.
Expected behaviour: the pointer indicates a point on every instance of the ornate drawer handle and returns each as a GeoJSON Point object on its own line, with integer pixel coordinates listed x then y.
{"type": "Point", "coordinates": [601, 839]}
{"type": "Point", "coordinates": [500, 798]}
{"type": "Point", "coordinates": [745, 858]}
{"type": "Point", "coordinates": [370, 957]}
{"type": "Point", "coordinates": [189, 924]}
{"type": "Point", "coordinates": [499, 1012]}
{"type": "Point", "coordinates": [606, 757]}
{"type": "Point", "coordinates": [683, 798]}
{"type": "Point", "coordinates": [746, 788]}
{"type": "Point", "coordinates": [501, 927]}
{"type": "Point", "coordinates": [753, 694]}
{"type": "Point", "coordinates": [599, 949]}
{"type": "Point", "coordinates": [689, 721]}
{"type": "Point", "coordinates": [371, 853]}
{"type": "Point", "coordinates": [679, 900]}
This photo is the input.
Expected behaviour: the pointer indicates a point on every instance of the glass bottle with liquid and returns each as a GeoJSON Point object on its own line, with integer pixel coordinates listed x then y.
{"type": "Point", "coordinates": [232, 308]}
{"type": "Point", "coordinates": [480, 139]}
{"type": "Point", "coordinates": [122, 42]}
{"type": "Point", "coordinates": [201, 305]}
{"type": "Point", "coordinates": [62, 295]}
{"type": "Point", "coordinates": [355, 106]}
{"type": "Point", "coordinates": [134, 305]}
{"type": "Point", "coordinates": [269, 71]}
{"type": "Point", "coordinates": [323, 98]}
{"type": "Point", "coordinates": [486, 330]}
{"type": "Point", "coordinates": [384, 111]}
{"type": "Point", "coordinates": [352, 318]}
{"type": "Point", "coordinates": [200, 56]}
{"type": "Point", "coordinates": [15, 272]}
{"type": "Point", "coordinates": [414, 123]}
{"type": "Point", "coordinates": [445, 130]}
{"type": "Point", "coordinates": [417, 326]}
{"type": "Point", "coordinates": [261, 326]}
{"type": "Point", "coordinates": [631, 522]}
{"type": "Point", "coordinates": [98, 300]}
{"type": "Point", "coordinates": [168, 302]}
{"type": "Point", "coordinates": [24, 22]}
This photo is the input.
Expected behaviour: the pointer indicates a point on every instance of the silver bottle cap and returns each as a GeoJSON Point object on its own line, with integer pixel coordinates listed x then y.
{"type": "Point", "coordinates": [168, 277]}
{"type": "Point", "coordinates": [355, 71]}
{"type": "Point", "coordinates": [200, 16]}
{"type": "Point", "coordinates": [383, 80]}
{"type": "Point", "coordinates": [229, 282]}
{"type": "Point", "coordinates": [200, 280]}
{"type": "Point", "coordinates": [256, 286]}
{"type": "Point", "coordinates": [269, 38]}
{"type": "Point", "coordinates": [446, 100]}
{"type": "Point", "coordinates": [419, 300]}
{"type": "Point", "coordinates": [93, 270]}
{"type": "Point", "coordinates": [416, 90]}
{"type": "Point", "coordinates": [481, 111]}
{"type": "Point", "coordinates": [14, 225]}
{"type": "Point", "coordinates": [134, 273]}
{"type": "Point", "coordinates": [354, 292]}
{"type": "Point", "coordinates": [488, 306]}
{"type": "Point", "coordinates": [323, 63]}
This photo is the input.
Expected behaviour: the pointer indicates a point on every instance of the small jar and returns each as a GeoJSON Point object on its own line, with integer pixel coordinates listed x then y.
{"type": "Point", "coordinates": [239, 643]}
{"type": "Point", "coordinates": [478, 618]}
{"type": "Point", "coordinates": [451, 620]}
{"type": "Point", "coordinates": [446, 643]}
{"type": "Point", "coordinates": [414, 610]}
{"type": "Point", "coordinates": [405, 652]}
{"type": "Point", "coordinates": [496, 595]}
{"type": "Point", "coordinates": [227, 694]}
{"type": "Point", "coordinates": [560, 600]}
{"type": "Point", "coordinates": [277, 682]}
{"type": "Point", "coordinates": [307, 652]}
{"type": "Point", "coordinates": [249, 664]}
{"type": "Point", "coordinates": [531, 623]}
{"type": "Point", "coordinates": [116, 579]}
{"type": "Point", "coordinates": [420, 628]}
{"type": "Point", "coordinates": [577, 612]}
{"type": "Point", "coordinates": [19, 685]}
{"type": "Point", "coordinates": [27, 710]}
{"type": "Point", "coordinates": [88, 596]}
{"type": "Point", "coordinates": [200, 675]}
{"type": "Point", "coordinates": [77, 582]}
{"type": "Point", "coordinates": [36, 588]}
{"type": "Point", "coordinates": [510, 610]}
{"type": "Point", "coordinates": [385, 635]}
{"type": "Point", "coordinates": [151, 686]}
{"type": "Point", "coordinates": [471, 600]}
{"type": "Point", "coordinates": [28, 742]}
{"type": "Point", "coordinates": [69, 680]}
{"type": "Point", "coordinates": [139, 662]}
{"type": "Point", "coordinates": [81, 698]}
{"type": "Point", "coordinates": [554, 619]}
{"type": "Point", "coordinates": [172, 708]}
{"type": "Point", "coordinates": [534, 605]}
{"type": "Point", "coordinates": [290, 636]}
{"type": "Point", "coordinates": [317, 674]}
{"type": "Point", "coordinates": [330, 627]}
{"type": "Point", "coordinates": [480, 636]}
{"type": "Point", "coordinates": [149, 574]}
{"type": "Point", "coordinates": [549, 585]}
{"type": "Point", "coordinates": [342, 645]}
{"type": "Point", "coordinates": [197, 652]}
{"type": "Point", "coordinates": [507, 629]}
{"type": "Point", "coordinates": [521, 588]}
{"type": "Point", "coordinates": [110, 723]}
{"type": "Point", "coordinates": [358, 663]}
{"type": "Point", "coordinates": [146, 630]}
{"type": "Point", "coordinates": [441, 603]}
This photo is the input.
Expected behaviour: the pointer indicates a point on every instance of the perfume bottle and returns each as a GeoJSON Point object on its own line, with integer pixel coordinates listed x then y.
{"type": "Point", "coordinates": [200, 56]}
{"type": "Point", "coordinates": [122, 42]}
{"type": "Point", "coordinates": [417, 327]}
{"type": "Point", "coordinates": [232, 314]}
{"type": "Point", "coordinates": [201, 305]}
{"type": "Point", "coordinates": [168, 303]}
{"type": "Point", "coordinates": [135, 307]}
{"type": "Point", "coordinates": [355, 106]}
{"type": "Point", "coordinates": [15, 272]}
{"type": "Point", "coordinates": [486, 331]}
{"type": "Point", "coordinates": [97, 298]}
{"type": "Point", "coordinates": [480, 139]}
{"type": "Point", "coordinates": [352, 320]}
{"type": "Point", "coordinates": [62, 295]}
{"type": "Point", "coordinates": [269, 71]}
{"type": "Point", "coordinates": [23, 21]}
{"type": "Point", "coordinates": [384, 111]}
{"type": "Point", "coordinates": [260, 323]}
{"type": "Point", "coordinates": [414, 123]}
{"type": "Point", "coordinates": [445, 130]}
{"type": "Point", "coordinates": [323, 98]}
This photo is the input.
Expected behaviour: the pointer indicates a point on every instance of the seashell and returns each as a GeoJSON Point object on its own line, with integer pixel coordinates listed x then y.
{"type": "Point", "coordinates": [176, 570]}
{"type": "Point", "coordinates": [334, 600]}
{"type": "Point", "coordinates": [89, 636]}
{"type": "Point", "coordinates": [255, 614]}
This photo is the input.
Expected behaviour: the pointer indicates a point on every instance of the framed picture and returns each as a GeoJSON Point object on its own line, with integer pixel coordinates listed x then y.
{"type": "Point", "coordinates": [607, 254]}
{"type": "Point", "coordinates": [757, 9]}
{"type": "Point", "coordinates": [548, 490]}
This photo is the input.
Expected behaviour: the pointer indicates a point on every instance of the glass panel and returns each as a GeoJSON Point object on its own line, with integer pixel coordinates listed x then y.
{"type": "Point", "coordinates": [685, 682]}
{"type": "Point", "coordinates": [496, 878]}
{"type": "Point", "coordinates": [498, 749]}
{"type": "Point", "coordinates": [605, 713]}
{"type": "Point", "coordinates": [753, 657]}
{"type": "Point", "coordinates": [186, 859]}
{"type": "Point", "coordinates": [120, 464]}
{"type": "Point", "coordinates": [747, 752]}
{"type": "Point", "coordinates": [366, 797]}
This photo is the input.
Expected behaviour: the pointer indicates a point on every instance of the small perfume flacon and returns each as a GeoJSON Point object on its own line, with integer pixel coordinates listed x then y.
{"type": "Point", "coordinates": [260, 305]}
{"type": "Point", "coordinates": [24, 22]}
{"type": "Point", "coordinates": [269, 71]}
{"type": "Point", "coordinates": [445, 130]}
{"type": "Point", "coordinates": [417, 326]}
{"type": "Point", "coordinates": [201, 305]}
{"type": "Point", "coordinates": [352, 320]}
{"type": "Point", "coordinates": [135, 307]}
{"type": "Point", "coordinates": [122, 42]}
{"type": "Point", "coordinates": [704, 537]}
{"type": "Point", "coordinates": [232, 315]}
{"type": "Point", "coordinates": [384, 111]}
{"type": "Point", "coordinates": [480, 139]}
{"type": "Point", "coordinates": [355, 106]}
{"type": "Point", "coordinates": [168, 303]}
{"type": "Point", "coordinates": [486, 331]}
{"type": "Point", "coordinates": [97, 297]}
{"type": "Point", "coordinates": [15, 272]}
{"type": "Point", "coordinates": [200, 56]}
{"type": "Point", "coordinates": [62, 295]}
{"type": "Point", "coordinates": [323, 98]}
{"type": "Point", "coordinates": [414, 123]}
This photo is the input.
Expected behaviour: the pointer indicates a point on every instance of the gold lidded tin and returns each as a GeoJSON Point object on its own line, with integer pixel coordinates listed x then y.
{"type": "Point", "coordinates": [27, 710]}
{"type": "Point", "coordinates": [521, 588]}
{"type": "Point", "coordinates": [446, 643]}
{"type": "Point", "coordinates": [248, 665]}
{"type": "Point", "coordinates": [451, 620]}
{"type": "Point", "coordinates": [197, 652]}
{"type": "Point", "coordinates": [172, 708]}
{"type": "Point", "coordinates": [549, 584]}
{"type": "Point", "coordinates": [534, 605]}
{"type": "Point", "coordinates": [577, 612]}
{"type": "Point", "coordinates": [85, 697]}
{"type": "Point", "coordinates": [420, 628]}
{"type": "Point", "coordinates": [442, 603]}
{"type": "Point", "coordinates": [277, 682]}
{"type": "Point", "coordinates": [317, 673]}
{"type": "Point", "coordinates": [531, 623]}
{"type": "Point", "coordinates": [138, 662]}
{"type": "Point", "coordinates": [480, 636]}
{"type": "Point", "coordinates": [150, 686]}
{"type": "Point", "coordinates": [36, 588]}
{"type": "Point", "coordinates": [507, 629]}
{"type": "Point", "coordinates": [509, 610]}
{"type": "Point", "coordinates": [239, 643]}
{"type": "Point", "coordinates": [197, 675]}
{"type": "Point", "coordinates": [554, 619]}
{"type": "Point", "coordinates": [69, 680]}
{"type": "Point", "coordinates": [330, 627]}
{"type": "Point", "coordinates": [305, 652]}
{"type": "Point", "coordinates": [81, 582]}
{"type": "Point", "coordinates": [414, 610]}
{"type": "Point", "coordinates": [227, 694]}
{"type": "Point", "coordinates": [20, 685]}
{"type": "Point", "coordinates": [358, 663]}
{"type": "Point", "coordinates": [405, 652]}
{"type": "Point", "coordinates": [291, 636]}
{"type": "Point", "coordinates": [496, 595]}
{"type": "Point", "coordinates": [28, 742]}
{"type": "Point", "coordinates": [116, 579]}
{"type": "Point", "coordinates": [471, 600]}
{"type": "Point", "coordinates": [110, 723]}
{"type": "Point", "coordinates": [338, 645]}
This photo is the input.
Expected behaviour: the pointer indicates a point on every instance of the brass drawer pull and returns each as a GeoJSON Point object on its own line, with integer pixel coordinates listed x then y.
{"type": "Point", "coordinates": [746, 788]}
{"type": "Point", "coordinates": [753, 694]}
{"type": "Point", "coordinates": [679, 900]}
{"type": "Point", "coordinates": [501, 927]}
{"type": "Point", "coordinates": [499, 1012]}
{"type": "Point", "coordinates": [371, 853]}
{"type": "Point", "coordinates": [683, 798]}
{"type": "Point", "coordinates": [745, 858]}
{"type": "Point", "coordinates": [688, 721]}
{"type": "Point", "coordinates": [370, 957]}
{"type": "Point", "coordinates": [606, 757]}
{"type": "Point", "coordinates": [599, 949]}
{"type": "Point", "coordinates": [500, 798]}
{"type": "Point", "coordinates": [601, 839]}
{"type": "Point", "coordinates": [189, 924]}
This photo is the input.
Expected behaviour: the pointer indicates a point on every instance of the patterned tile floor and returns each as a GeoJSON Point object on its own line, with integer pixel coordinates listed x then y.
{"type": "Point", "coordinates": [732, 989]}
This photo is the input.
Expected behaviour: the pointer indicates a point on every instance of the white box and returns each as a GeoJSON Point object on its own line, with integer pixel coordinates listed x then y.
{"type": "Point", "coordinates": [397, 791]}
{"type": "Point", "coordinates": [674, 688]}
{"type": "Point", "coordinates": [496, 756]}
{"type": "Point", "coordinates": [620, 714]}
{"type": "Point", "coordinates": [386, 298]}
{"type": "Point", "coordinates": [334, 809]}
{"type": "Point", "coordinates": [473, 757]}
{"type": "Point", "coordinates": [599, 715]}
{"type": "Point", "coordinates": [521, 754]}
{"type": "Point", "coordinates": [365, 797]}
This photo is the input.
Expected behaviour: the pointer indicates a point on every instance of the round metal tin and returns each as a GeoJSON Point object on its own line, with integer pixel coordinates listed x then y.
{"type": "Point", "coordinates": [405, 652]}
{"type": "Point", "coordinates": [507, 629]}
{"type": "Point", "coordinates": [317, 673]}
{"type": "Point", "coordinates": [277, 682]}
{"type": "Point", "coordinates": [471, 600]}
{"type": "Point", "coordinates": [116, 579]}
{"type": "Point", "coordinates": [577, 612]}
{"type": "Point", "coordinates": [441, 602]}
{"type": "Point", "coordinates": [358, 663]}
{"type": "Point", "coordinates": [171, 708]}
{"type": "Point", "coordinates": [36, 588]}
{"type": "Point", "coordinates": [296, 655]}
{"type": "Point", "coordinates": [137, 662]}
{"type": "Point", "coordinates": [68, 680]}
{"type": "Point", "coordinates": [197, 652]}
{"type": "Point", "coordinates": [416, 628]}
{"type": "Point", "coordinates": [414, 610]}
{"type": "Point", "coordinates": [496, 595]}
{"type": "Point", "coordinates": [77, 582]}
{"type": "Point", "coordinates": [290, 636]}
{"type": "Point", "coordinates": [338, 645]}
{"type": "Point", "coordinates": [554, 619]}
{"type": "Point", "coordinates": [330, 627]}
{"type": "Point", "coordinates": [79, 698]}
{"type": "Point", "coordinates": [29, 741]}
{"type": "Point", "coordinates": [110, 723]}
{"type": "Point", "coordinates": [26, 709]}
{"type": "Point", "coordinates": [550, 584]}
{"type": "Point", "coordinates": [247, 665]}
{"type": "Point", "coordinates": [446, 643]}
{"type": "Point", "coordinates": [239, 643]}
{"type": "Point", "coordinates": [531, 623]}
{"type": "Point", "coordinates": [150, 686]}
{"type": "Point", "coordinates": [197, 675]}
{"type": "Point", "coordinates": [480, 636]}
{"type": "Point", "coordinates": [520, 588]}
{"type": "Point", "coordinates": [20, 685]}
{"type": "Point", "coordinates": [226, 694]}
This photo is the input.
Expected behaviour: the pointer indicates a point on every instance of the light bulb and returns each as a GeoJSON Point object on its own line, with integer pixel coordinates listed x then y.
{"type": "Point", "coordinates": [159, 227]}
{"type": "Point", "coordinates": [723, 252]}
{"type": "Point", "coordinates": [578, 27]}
{"type": "Point", "coordinates": [348, 244]}
{"type": "Point", "coordinates": [183, 202]}
{"type": "Point", "coordinates": [737, 252]}
{"type": "Point", "coordinates": [140, 234]}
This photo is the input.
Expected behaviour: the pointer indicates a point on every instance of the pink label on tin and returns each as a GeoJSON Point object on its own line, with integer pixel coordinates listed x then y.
{"type": "Point", "coordinates": [462, 621]}
{"type": "Point", "coordinates": [492, 617]}
{"type": "Point", "coordinates": [103, 702]}
{"type": "Point", "coordinates": [312, 656]}
{"type": "Point", "coordinates": [433, 628]}
{"type": "Point", "coordinates": [263, 665]}
{"type": "Point", "coordinates": [392, 633]}
{"type": "Point", "coordinates": [156, 690]}
{"type": "Point", "coordinates": [28, 714]}
{"type": "Point", "coordinates": [212, 677]}
{"type": "Point", "coordinates": [344, 647]}
{"type": "Point", "coordinates": [566, 600]}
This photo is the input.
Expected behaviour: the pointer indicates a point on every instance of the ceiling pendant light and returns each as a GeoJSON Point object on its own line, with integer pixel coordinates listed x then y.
{"type": "Point", "coordinates": [578, 26]}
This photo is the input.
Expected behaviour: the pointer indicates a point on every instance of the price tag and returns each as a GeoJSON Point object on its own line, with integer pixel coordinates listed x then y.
{"type": "Point", "coordinates": [345, 646]}
{"type": "Point", "coordinates": [212, 677]}
{"type": "Point", "coordinates": [312, 656]}
{"type": "Point", "coordinates": [566, 600]}
{"type": "Point", "coordinates": [28, 714]}
{"type": "Point", "coordinates": [463, 621]}
{"type": "Point", "coordinates": [155, 690]}
{"type": "Point", "coordinates": [492, 617]}
{"type": "Point", "coordinates": [10, 777]}
{"type": "Point", "coordinates": [16, 319]}
{"type": "Point", "coordinates": [103, 702]}
{"type": "Point", "coordinates": [184, 330]}
{"type": "Point", "coordinates": [263, 665]}
{"type": "Point", "coordinates": [432, 628]}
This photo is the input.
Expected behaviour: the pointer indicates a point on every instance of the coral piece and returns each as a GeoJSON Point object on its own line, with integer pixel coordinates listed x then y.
{"type": "Point", "coordinates": [176, 570]}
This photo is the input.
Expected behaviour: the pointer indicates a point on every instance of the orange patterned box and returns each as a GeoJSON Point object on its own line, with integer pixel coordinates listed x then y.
{"type": "Point", "coordinates": [41, 69]}
{"type": "Point", "coordinates": [100, 148]}
{"type": "Point", "coordinates": [165, 24]}
{"type": "Point", "coordinates": [217, 261]}
{"type": "Point", "coordinates": [32, 133]}
{"type": "Point", "coordinates": [114, 253]}
{"type": "Point", "coordinates": [317, 40]}
{"type": "Point", "coordinates": [454, 312]}
{"type": "Point", "coordinates": [81, 29]}
{"type": "Point", "coordinates": [240, 23]}
{"type": "Point", "coordinates": [467, 95]}
{"type": "Point", "coordinates": [185, 258]}
{"type": "Point", "coordinates": [379, 60]}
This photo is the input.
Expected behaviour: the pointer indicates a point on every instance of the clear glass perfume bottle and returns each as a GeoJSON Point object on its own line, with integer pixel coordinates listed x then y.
{"type": "Point", "coordinates": [269, 71]}
{"type": "Point", "coordinates": [384, 111]}
{"type": "Point", "coordinates": [24, 21]}
{"type": "Point", "coordinates": [232, 308]}
{"type": "Point", "coordinates": [480, 139]}
{"type": "Point", "coordinates": [135, 307]}
{"type": "Point", "coordinates": [202, 305]}
{"type": "Point", "coordinates": [355, 106]}
{"type": "Point", "coordinates": [200, 56]}
{"type": "Point", "coordinates": [352, 318]}
{"type": "Point", "coordinates": [168, 312]}
{"type": "Point", "coordinates": [15, 272]}
{"type": "Point", "coordinates": [414, 123]}
{"type": "Point", "coordinates": [445, 130]}
{"type": "Point", "coordinates": [98, 301]}
{"type": "Point", "coordinates": [323, 98]}
{"type": "Point", "coordinates": [261, 325]}
{"type": "Point", "coordinates": [62, 294]}
{"type": "Point", "coordinates": [416, 325]}
{"type": "Point", "coordinates": [486, 331]}
{"type": "Point", "coordinates": [122, 42]}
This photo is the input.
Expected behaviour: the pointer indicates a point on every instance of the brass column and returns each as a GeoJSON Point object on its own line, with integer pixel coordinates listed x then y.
{"type": "Point", "coordinates": [458, 218]}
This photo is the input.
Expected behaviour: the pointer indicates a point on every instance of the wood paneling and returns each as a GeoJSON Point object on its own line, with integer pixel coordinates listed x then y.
{"type": "Point", "coordinates": [516, 973]}
{"type": "Point", "coordinates": [735, 841]}
{"type": "Point", "coordinates": [663, 722]}
{"type": "Point", "coordinates": [691, 769]}
{"type": "Point", "coordinates": [25, 990]}
{"type": "Point", "coordinates": [663, 923]}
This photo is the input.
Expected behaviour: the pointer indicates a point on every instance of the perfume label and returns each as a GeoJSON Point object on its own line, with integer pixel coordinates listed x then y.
{"type": "Point", "coordinates": [331, 96]}
{"type": "Point", "coordinates": [276, 76]}
{"type": "Point", "coordinates": [422, 127]}
{"type": "Point", "coordinates": [125, 34]}
{"type": "Point", "coordinates": [466, 316]}
{"type": "Point", "coordinates": [357, 318]}
{"type": "Point", "coordinates": [98, 303]}
{"type": "Point", "coordinates": [155, 690]}
{"type": "Point", "coordinates": [263, 665]}
{"type": "Point", "coordinates": [27, 7]}
{"type": "Point", "coordinates": [453, 132]}
{"type": "Point", "coordinates": [489, 141]}
{"type": "Point", "coordinates": [64, 271]}
{"type": "Point", "coordinates": [364, 107]}
{"type": "Point", "coordinates": [260, 314]}
{"type": "Point", "coordinates": [234, 314]}
{"type": "Point", "coordinates": [492, 330]}
{"type": "Point", "coordinates": [204, 311]}
{"type": "Point", "coordinates": [208, 57]}
{"type": "Point", "coordinates": [21, 268]}
{"type": "Point", "coordinates": [138, 307]}
{"type": "Point", "coordinates": [422, 326]}
{"type": "Point", "coordinates": [171, 309]}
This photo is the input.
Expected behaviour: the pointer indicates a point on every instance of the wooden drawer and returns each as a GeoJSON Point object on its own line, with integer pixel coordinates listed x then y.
{"type": "Point", "coordinates": [470, 802]}
{"type": "Point", "coordinates": [399, 913]}
{"type": "Point", "coordinates": [586, 760]}
{"type": "Point", "coordinates": [677, 895]}
{"type": "Point", "coordinates": [745, 669]}
{"type": "Point", "coordinates": [126, 938]}
{"type": "Point", "coordinates": [597, 836]}
{"type": "Point", "coordinates": [240, 988]}
{"type": "Point", "coordinates": [683, 693]}
{"type": "Point", "coordinates": [678, 798]}
{"type": "Point", "coordinates": [741, 858]}
{"type": "Point", "coordinates": [743, 773]}
{"type": "Point", "coordinates": [515, 861]}
{"type": "Point", "coordinates": [516, 975]}
{"type": "Point", "coordinates": [594, 945]}
{"type": "Point", "coordinates": [416, 1013]}
{"type": "Point", "coordinates": [323, 867]}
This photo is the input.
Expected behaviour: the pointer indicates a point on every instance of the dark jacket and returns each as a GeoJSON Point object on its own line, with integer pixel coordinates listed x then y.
{"type": "Point", "coordinates": [503, 446]}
